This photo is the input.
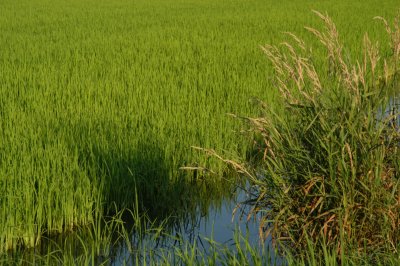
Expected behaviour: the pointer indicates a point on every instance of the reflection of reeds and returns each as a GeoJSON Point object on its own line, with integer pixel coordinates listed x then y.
{"type": "Point", "coordinates": [329, 169]}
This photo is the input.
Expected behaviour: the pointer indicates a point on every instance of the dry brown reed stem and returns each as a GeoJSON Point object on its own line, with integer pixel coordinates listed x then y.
{"type": "Point", "coordinates": [392, 68]}
{"type": "Point", "coordinates": [394, 34]}
{"type": "Point", "coordinates": [240, 168]}
{"type": "Point", "coordinates": [330, 39]}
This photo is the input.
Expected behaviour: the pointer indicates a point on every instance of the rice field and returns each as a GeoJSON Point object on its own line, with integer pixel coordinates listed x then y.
{"type": "Point", "coordinates": [100, 100]}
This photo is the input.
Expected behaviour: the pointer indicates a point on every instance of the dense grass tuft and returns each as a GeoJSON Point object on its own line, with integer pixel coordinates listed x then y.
{"type": "Point", "coordinates": [328, 162]}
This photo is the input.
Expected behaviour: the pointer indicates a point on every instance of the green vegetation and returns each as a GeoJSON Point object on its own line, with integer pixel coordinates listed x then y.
{"type": "Point", "coordinates": [327, 163]}
{"type": "Point", "coordinates": [102, 246]}
{"type": "Point", "coordinates": [100, 102]}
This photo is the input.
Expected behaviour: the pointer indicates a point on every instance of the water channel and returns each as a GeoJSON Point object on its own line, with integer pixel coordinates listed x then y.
{"type": "Point", "coordinates": [218, 222]}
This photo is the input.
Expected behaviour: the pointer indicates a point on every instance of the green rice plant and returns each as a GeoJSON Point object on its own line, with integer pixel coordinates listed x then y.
{"type": "Point", "coordinates": [99, 98]}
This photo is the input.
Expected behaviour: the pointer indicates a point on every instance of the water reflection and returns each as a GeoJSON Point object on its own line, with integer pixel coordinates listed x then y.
{"type": "Point", "coordinates": [208, 216]}
{"type": "Point", "coordinates": [217, 224]}
{"type": "Point", "coordinates": [391, 113]}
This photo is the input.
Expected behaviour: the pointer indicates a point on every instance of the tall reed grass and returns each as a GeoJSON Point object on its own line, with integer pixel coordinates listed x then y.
{"type": "Point", "coordinates": [326, 164]}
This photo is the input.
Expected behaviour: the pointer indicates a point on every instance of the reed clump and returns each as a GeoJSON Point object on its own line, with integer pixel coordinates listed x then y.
{"type": "Point", "coordinates": [327, 164]}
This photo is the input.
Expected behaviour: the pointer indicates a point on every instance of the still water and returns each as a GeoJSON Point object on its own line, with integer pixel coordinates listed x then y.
{"type": "Point", "coordinates": [217, 221]}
